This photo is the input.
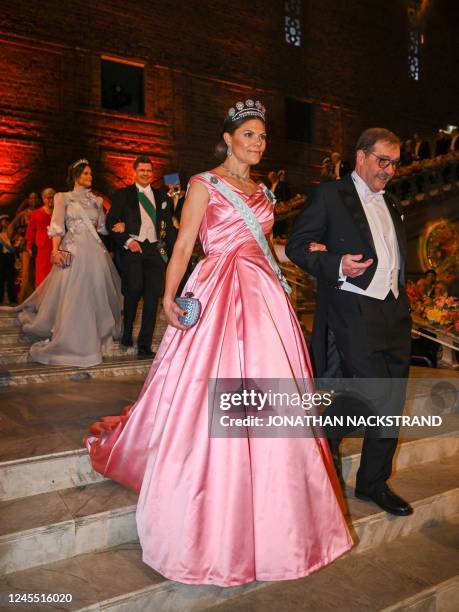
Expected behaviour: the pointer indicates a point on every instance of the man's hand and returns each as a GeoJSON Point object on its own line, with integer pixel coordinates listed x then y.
{"type": "Point", "coordinates": [316, 246]}
{"type": "Point", "coordinates": [134, 247]}
{"type": "Point", "coordinates": [352, 266]}
{"type": "Point", "coordinates": [119, 227]}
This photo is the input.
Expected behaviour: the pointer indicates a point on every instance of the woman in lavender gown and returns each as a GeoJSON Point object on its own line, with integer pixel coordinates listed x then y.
{"type": "Point", "coordinates": [75, 314]}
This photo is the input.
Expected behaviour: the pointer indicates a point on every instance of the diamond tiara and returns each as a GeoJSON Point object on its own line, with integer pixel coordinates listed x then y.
{"type": "Point", "coordinates": [80, 161]}
{"type": "Point", "coordinates": [249, 108]}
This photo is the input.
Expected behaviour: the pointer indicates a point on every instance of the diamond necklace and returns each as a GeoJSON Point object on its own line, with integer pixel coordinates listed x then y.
{"type": "Point", "coordinates": [236, 175]}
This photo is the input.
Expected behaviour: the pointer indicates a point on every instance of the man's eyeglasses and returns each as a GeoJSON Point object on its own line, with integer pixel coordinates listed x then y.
{"type": "Point", "coordinates": [385, 162]}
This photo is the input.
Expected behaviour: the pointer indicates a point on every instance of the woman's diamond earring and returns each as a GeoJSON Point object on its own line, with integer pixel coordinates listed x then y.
{"type": "Point", "coordinates": [229, 151]}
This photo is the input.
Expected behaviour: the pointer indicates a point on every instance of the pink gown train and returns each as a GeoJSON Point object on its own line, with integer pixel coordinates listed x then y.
{"type": "Point", "coordinates": [225, 511]}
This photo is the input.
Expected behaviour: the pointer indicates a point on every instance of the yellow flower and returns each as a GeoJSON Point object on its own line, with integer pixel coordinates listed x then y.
{"type": "Point", "coordinates": [433, 314]}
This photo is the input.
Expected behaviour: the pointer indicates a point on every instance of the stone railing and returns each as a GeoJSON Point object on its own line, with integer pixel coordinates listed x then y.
{"type": "Point", "coordinates": [426, 179]}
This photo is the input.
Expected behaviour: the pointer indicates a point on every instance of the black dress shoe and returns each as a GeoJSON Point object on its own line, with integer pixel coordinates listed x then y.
{"type": "Point", "coordinates": [388, 501]}
{"type": "Point", "coordinates": [144, 353]}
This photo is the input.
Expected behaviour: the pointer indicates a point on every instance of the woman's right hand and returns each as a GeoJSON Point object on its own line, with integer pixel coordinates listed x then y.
{"type": "Point", "coordinates": [57, 259]}
{"type": "Point", "coordinates": [172, 312]}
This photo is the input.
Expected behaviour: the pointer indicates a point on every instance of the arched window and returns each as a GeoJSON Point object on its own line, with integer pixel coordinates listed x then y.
{"type": "Point", "coordinates": [414, 40]}
{"type": "Point", "coordinates": [293, 22]}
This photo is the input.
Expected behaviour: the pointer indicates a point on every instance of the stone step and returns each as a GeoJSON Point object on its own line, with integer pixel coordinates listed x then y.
{"type": "Point", "coordinates": [42, 429]}
{"type": "Point", "coordinates": [34, 475]}
{"type": "Point", "coordinates": [410, 452]}
{"type": "Point", "coordinates": [8, 322]}
{"type": "Point", "coordinates": [417, 573]}
{"type": "Point", "coordinates": [20, 353]}
{"type": "Point", "coordinates": [53, 471]}
{"type": "Point", "coordinates": [57, 525]}
{"type": "Point", "coordinates": [6, 312]}
{"type": "Point", "coordinates": [431, 488]}
{"type": "Point", "coordinates": [11, 335]}
{"type": "Point", "coordinates": [24, 374]}
{"type": "Point", "coordinates": [12, 338]}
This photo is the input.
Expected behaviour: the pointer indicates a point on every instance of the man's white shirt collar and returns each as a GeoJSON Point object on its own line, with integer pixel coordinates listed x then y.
{"type": "Point", "coordinates": [143, 189]}
{"type": "Point", "coordinates": [362, 188]}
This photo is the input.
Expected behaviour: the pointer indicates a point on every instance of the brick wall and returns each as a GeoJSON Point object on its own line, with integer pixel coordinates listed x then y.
{"type": "Point", "coordinates": [200, 57]}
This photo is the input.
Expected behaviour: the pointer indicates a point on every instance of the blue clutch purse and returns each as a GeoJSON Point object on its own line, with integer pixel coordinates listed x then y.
{"type": "Point", "coordinates": [192, 306]}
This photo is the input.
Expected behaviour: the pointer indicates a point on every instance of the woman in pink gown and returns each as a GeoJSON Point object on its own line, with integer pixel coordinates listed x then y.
{"type": "Point", "coordinates": [224, 511]}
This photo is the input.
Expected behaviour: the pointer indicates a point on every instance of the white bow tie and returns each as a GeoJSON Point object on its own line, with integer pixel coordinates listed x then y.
{"type": "Point", "coordinates": [373, 195]}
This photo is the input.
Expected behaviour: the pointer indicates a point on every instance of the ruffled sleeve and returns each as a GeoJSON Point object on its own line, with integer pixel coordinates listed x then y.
{"type": "Point", "coordinates": [101, 229]}
{"type": "Point", "coordinates": [57, 225]}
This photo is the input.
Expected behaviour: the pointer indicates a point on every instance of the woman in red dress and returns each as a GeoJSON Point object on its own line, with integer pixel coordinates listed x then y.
{"type": "Point", "coordinates": [37, 235]}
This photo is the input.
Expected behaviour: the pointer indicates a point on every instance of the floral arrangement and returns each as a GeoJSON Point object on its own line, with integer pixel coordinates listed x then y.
{"type": "Point", "coordinates": [443, 311]}
{"type": "Point", "coordinates": [416, 298]}
{"type": "Point", "coordinates": [439, 311]}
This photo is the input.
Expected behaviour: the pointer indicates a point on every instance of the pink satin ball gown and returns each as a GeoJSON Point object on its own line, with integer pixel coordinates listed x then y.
{"type": "Point", "coordinates": [225, 511]}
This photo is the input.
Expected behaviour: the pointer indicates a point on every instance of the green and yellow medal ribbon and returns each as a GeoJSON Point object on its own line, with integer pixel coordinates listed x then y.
{"type": "Point", "coordinates": [151, 212]}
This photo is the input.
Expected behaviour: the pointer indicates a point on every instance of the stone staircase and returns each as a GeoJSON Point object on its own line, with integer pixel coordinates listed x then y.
{"type": "Point", "coordinates": [65, 529]}
{"type": "Point", "coordinates": [17, 369]}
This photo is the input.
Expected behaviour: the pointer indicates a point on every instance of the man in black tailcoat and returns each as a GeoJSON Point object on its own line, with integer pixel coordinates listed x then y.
{"type": "Point", "coordinates": [144, 248]}
{"type": "Point", "coordinates": [361, 300]}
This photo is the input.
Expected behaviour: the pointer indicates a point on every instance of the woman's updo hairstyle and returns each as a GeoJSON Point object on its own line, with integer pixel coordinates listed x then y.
{"type": "Point", "coordinates": [237, 116]}
{"type": "Point", "coordinates": [75, 170]}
